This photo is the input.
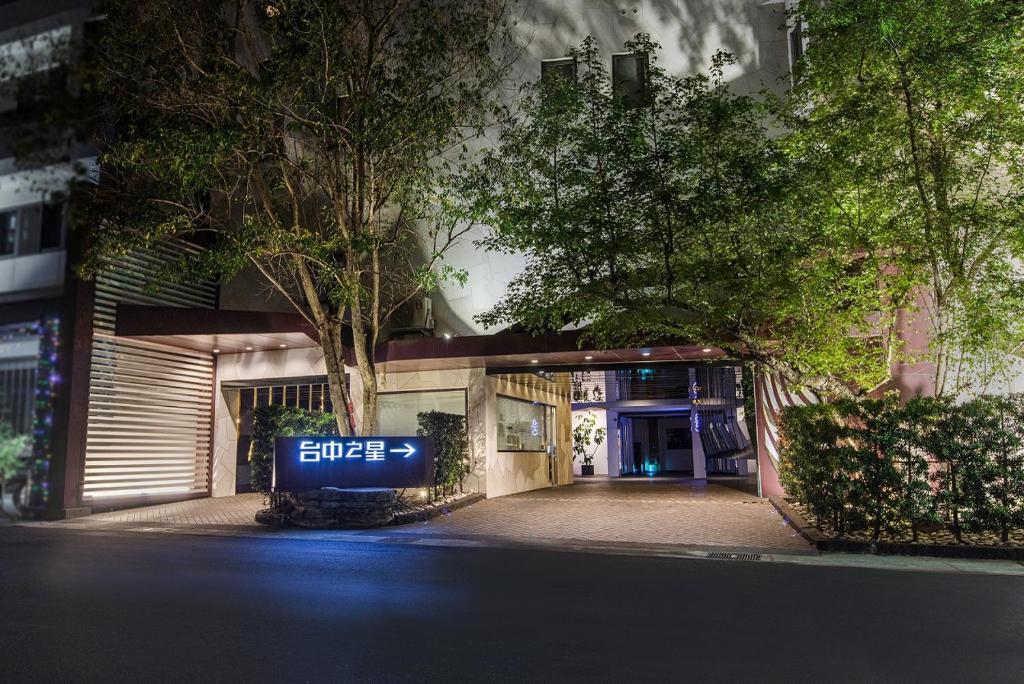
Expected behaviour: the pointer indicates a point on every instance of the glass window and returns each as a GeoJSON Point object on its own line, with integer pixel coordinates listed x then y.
{"type": "Point", "coordinates": [8, 232]}
{"type": "Point", "coordinates": [398, 412]}
{"type": "Point", "coordinates": [629, 78]}
{"type": "Point", "coordinates": [521, 425]}
{"type": "Point", "coordinates": [563, 68]}
{"type": "Point", "coordinates": [51, 229]}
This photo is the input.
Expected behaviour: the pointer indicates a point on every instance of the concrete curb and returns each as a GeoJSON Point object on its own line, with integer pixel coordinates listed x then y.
{"type": "Point", "coordinates": [407, 517]}
{"type": "Point", "coordinates": [824, 543]}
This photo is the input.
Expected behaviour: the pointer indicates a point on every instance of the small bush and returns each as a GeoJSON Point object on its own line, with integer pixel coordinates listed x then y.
{"type": "Point", "coordinates": [269, 422]}
{"type": "Point", "coordinates": [451, 448]}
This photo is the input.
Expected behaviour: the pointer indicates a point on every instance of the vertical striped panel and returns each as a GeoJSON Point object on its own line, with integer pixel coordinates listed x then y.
{"type": "Point", "coordinates": [772, 395]}
{"type": "Point", "coordinates": [150, 406]}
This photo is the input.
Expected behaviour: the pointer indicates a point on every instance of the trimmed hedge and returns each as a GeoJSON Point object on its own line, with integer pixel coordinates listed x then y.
{"type": "Point", "coordinates": [273, 421]}
{"type": "Point", "coordinates": [451, 448]}
{"type": "Point", "coordinates": [880, 465]}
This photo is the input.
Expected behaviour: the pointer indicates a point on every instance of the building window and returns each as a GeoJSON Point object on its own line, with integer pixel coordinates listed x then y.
{"type": "Point", "coordinates": [51, 228]}
{"type": "Point", "coordinates": [399, 412]}
{"type": "Point", "coordinates": [629, 78]}
{"type": "Point", "coordinates": [522, 425]}
{"type": "Point", "coordinates": [8, 232]}
{"type": "Point", "coordinates": [564, 67]}
{"type": "Point", "coordinates": [796, 45]}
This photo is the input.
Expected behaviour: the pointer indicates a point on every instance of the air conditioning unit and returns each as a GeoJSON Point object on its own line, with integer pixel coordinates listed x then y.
{"type": "Point", "coordinates": [416, 317]}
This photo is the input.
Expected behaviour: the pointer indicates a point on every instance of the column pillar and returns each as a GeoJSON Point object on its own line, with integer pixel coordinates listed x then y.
{"type": "Point", "coordinates": [700, 466]}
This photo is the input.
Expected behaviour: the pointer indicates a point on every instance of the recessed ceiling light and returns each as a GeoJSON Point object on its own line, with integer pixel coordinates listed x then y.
{"type": "Point", "coordinates": [587, 358]}
{"type": "Point", "coordinates": [216, 351]}
{"type": "Point", "coordinates": [706, 349]}
{"type": "Point", "coordinates": [248, 349]}
{"type": "Point", "coordinates": [534, 361]}
{"type": "Point", "coordinates": [282, 346]}
{"type": "Point", "coordinates": [645, 353]}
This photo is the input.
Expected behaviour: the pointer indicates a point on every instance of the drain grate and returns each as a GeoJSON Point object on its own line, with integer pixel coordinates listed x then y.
{"type": "Point", "coordinates": [720, 555]}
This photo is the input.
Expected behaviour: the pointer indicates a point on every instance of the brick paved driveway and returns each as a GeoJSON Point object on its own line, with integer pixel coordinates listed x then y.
{"type": "Point", "coordinates": [646, 511]}
{"type": "Point", "coordinates": [626, 510]}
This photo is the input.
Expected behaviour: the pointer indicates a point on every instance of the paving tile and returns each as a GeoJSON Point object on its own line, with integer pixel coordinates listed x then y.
{"type": "Point", "coordinates": [651, 511]}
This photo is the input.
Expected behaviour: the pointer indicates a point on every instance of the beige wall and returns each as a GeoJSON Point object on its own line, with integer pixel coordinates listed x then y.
{"type": "Point", "coordinates": [512, 472]}
{"type": "Point", "coordinates": [257, 365]}
{"type": "Point", "coordinates": [492, 472]}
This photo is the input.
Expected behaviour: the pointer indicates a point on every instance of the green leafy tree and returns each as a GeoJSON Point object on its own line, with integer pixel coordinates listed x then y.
{"type": "Point", "coordinates": [451, 448]}
{"type": "Point", "coordinates": [673, 219]}
{"type": "Point", "coordinates": [586, 438]}
{"type": "Point", "coordinates": [909, 132]}
{"type": "Point", "coordinates": [314, 142]}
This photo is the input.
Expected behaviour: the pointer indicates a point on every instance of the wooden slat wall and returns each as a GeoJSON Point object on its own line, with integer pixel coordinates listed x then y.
{"type": "Point", "coordinates": [150, 406]}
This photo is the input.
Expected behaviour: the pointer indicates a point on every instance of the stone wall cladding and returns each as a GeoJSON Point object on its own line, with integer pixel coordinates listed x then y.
{"type": "Point", "coordinates": [333, 508]}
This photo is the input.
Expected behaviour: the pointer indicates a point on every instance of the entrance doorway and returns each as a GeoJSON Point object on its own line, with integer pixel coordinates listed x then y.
{"type": "Point", "coordinates": [656, 444]}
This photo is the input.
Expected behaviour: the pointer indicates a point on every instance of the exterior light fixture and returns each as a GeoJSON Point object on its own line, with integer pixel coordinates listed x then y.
{"type": "Point", "coordinates": [216, 351]}
{"type": "Point", "coordinates": [534, 361]}
{"type": "Point", "coordinates": [646, 353]}
{"type": "Point", "coordinates": [447, 336]}
{"type": "Point", "coordinates": [588, 358]}
{"type": "Point", "coordinates": [706, 350]}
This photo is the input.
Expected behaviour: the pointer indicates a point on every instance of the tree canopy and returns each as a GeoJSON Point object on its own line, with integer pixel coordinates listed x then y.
{"type": "Point", "coordinates": [909, 117]}
{"type": "Point", "coordinates": [314, 141]}
{"type": "Point", "coordinates": [677, 219]}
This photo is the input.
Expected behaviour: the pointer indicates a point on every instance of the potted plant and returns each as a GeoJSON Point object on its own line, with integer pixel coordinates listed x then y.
{"type": "Point", "coordinates": [586, 438]}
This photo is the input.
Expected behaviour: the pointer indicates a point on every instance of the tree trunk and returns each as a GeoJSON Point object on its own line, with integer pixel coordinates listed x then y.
{"type": "Point", "coordinates": [334, 360]}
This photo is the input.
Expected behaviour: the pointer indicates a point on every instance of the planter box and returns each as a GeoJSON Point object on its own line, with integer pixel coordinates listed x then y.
{"type": "Point", "coordinates": [587, 470]}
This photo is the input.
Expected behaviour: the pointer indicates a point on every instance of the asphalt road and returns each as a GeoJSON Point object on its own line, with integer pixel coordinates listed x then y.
{"type": "Point", "coordinates": [79, 607]}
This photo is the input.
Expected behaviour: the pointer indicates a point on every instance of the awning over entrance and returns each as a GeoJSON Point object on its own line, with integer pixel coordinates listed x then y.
{"type": "Point", "coordinates": [221, 331]}
{"type": "Point", "coordinates": [215, 331]}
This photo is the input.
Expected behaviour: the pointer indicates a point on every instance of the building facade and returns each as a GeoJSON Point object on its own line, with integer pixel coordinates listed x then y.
{"type": "Point", "coordinates": [134, 391]}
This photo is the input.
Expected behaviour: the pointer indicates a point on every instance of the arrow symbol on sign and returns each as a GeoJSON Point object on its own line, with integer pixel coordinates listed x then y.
{"type": "Point", "coordinates": [408, 450]}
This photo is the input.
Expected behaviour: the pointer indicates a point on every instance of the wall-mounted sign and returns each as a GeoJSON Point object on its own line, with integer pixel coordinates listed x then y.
{"type": "Point", "coordinates": [312, 462]}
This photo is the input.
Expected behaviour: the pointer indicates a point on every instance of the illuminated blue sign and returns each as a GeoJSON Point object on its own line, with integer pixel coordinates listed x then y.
{"type": "Point", "coordinates": [313, 462]}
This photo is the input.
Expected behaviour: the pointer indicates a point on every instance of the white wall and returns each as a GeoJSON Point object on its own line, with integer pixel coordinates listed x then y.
{"type": "Point", "coordinates": [250, 366]}
{"type": "Point", "coordinates": [601, 451]}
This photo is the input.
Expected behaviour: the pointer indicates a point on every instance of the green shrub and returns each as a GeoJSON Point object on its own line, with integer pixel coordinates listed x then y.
{"type": "Point", "coordinates": [269, 422]}
{"type": "Point", "coordinates": [887, 466]}
{"type": "Point", "coordinates": [815, 464]}
{"type": "Point", "coordinates": [451, 448]}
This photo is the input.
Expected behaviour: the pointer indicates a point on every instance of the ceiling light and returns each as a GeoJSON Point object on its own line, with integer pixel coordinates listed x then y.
{"type": "Point", "coordinates": [282, 346]}
{"type": "Point", "coordinates": [534, 361]}
{"type": "Point", "coordinates": [248, 349]}
{"type": "Point", "coordinates": [645, 353]}
{"type": "Point", "coordinates": [216, 351]}
{"type": "Point", "coordinates": [447, 336]}
{"type": "Point", "coordinates": [587, 358]}
{"type": "Point", "coordinates": [706, 349]}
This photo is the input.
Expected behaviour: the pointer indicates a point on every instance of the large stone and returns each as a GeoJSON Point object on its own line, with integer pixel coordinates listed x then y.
{"type": "Point", "coordinates": [334, 508]}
